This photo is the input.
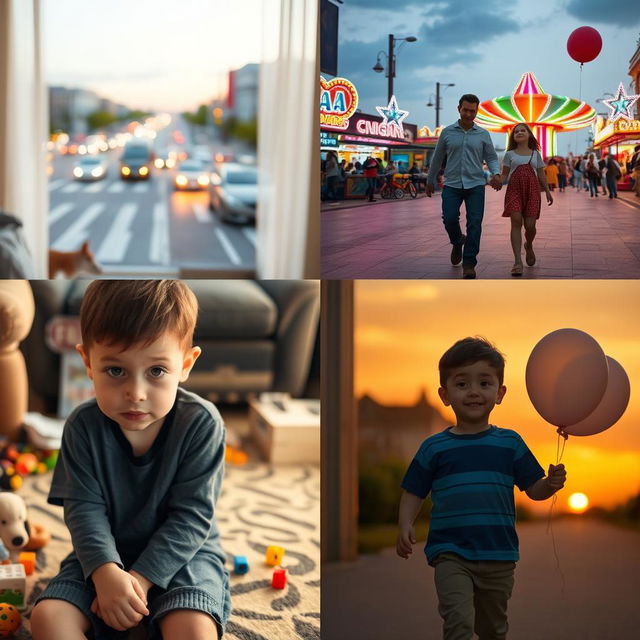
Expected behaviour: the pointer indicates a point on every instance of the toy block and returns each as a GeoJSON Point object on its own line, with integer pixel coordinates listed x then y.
{"type": "Point", "coordinates": [279, 579]}
{"type": "Point", "coordinates": [28, 560]}
{"type": "Point", "coordinates": [274, 556]}
{"type": "Point", "coordinates": [13, 584]}
{"type": "Point", "coordinates": [240, 565]}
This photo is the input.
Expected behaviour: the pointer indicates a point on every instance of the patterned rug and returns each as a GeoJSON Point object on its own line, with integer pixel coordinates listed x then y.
{"type": "Point", "coordinates": [259, 506]}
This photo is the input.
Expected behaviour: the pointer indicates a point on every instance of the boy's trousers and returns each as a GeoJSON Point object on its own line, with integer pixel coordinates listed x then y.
{"type": "Point", "coordinates": [473, 597]}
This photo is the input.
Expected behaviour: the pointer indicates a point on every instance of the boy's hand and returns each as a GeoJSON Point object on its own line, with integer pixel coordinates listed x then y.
{"type": "Point", "coordinates": [556, 477]}
{"type": "Point", "coordinates": [406, 540]}
{"type": "Point", "coordinates": [121, 600]}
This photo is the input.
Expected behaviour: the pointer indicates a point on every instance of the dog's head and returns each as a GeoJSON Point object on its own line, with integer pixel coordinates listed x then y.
{"type": "Point", "coordinates": [14, 529]}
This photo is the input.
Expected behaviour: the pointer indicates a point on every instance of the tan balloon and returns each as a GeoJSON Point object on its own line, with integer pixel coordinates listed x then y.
{"type": "Point", "coordinates": [566, 376]}
{"type": "Point", "coordinates": [612, 406]}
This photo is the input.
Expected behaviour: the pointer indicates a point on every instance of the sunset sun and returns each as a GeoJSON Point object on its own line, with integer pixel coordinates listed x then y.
{"type": "Point", "coordinates": [578, 502]}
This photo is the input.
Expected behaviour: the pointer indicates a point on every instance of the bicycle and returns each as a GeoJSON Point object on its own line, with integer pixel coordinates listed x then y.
{"type": "Point", "coordinates": [392, 189]}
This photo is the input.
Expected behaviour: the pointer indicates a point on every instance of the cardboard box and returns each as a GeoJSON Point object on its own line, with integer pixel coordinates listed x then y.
{"type": "Point", "coordinates": [285, 430]}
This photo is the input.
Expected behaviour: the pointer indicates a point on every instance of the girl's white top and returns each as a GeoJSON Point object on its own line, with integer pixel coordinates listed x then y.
{"type": "Point", "coordinates": [514, 160]}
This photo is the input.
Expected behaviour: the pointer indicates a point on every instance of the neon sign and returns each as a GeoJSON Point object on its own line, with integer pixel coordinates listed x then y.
{"type": "Point", "coordinates": [392, 115]}
{"type": "Point", "coordinates": [621, 104]}
{"type": "Point", "coordinates": [338, 102]}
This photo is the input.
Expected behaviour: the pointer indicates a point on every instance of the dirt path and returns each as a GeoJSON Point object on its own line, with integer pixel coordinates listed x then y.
{"type": "Point", "coordinates": [384, 597]}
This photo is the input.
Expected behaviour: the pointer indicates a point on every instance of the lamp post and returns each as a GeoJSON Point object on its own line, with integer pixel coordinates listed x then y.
{"type": "Point", "coordinates": [391, 61]}
{"type": "Point", "coordinates": [438, 105]}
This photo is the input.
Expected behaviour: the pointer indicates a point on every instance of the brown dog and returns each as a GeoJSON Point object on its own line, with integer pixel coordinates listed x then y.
{"type": "Point", "coordinates": [72, 263]}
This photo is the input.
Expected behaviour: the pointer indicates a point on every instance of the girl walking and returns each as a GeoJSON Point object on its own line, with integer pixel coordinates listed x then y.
{"type": "Point", "coordinates": [523, 168]}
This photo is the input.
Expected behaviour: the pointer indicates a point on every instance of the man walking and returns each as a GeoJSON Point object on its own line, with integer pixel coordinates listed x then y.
{"type": "Point", "coordinates": [465, 145]}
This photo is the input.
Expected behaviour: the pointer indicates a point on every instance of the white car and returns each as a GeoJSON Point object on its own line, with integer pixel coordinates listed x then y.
{"type": "Point", "coordinates": [233, 192]}
{"type": "Point", "coordinates": [90, 168]}
{"type": "Point", "coordinates": [191, 175]}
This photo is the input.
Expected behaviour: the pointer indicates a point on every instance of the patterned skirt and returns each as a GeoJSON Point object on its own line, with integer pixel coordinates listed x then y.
{"type": "Point", "coordinates": [523, 193]}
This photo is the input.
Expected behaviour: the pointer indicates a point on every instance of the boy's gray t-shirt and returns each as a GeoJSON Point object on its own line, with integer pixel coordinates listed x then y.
{"type": "Point", "coordinates": [151, 513]}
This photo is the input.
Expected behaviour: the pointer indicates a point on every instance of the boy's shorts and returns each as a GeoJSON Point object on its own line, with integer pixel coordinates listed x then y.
{"type": "Point", "coordinates": [211, 595]}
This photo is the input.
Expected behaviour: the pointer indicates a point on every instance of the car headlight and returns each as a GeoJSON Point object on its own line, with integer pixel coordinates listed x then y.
{"type": "Point", "coordinates": [78, 172]}
{"type": "Point", "coordinates": [126, 171]}
{"type": "Point", "coordinates": [181, 181]}
{"type": "Point", "coordinates": [159, 163]}
{"type": "Point", "coordinates": [170, 163]}
{"type": "Point", "coordinates": [203, 181]}
{"type": "Point", "coordinates": [143, 171]}
{"type": "Point", "coordinates": [97, 172]}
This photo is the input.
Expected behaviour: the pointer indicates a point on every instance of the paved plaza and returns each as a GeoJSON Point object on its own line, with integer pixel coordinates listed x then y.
{"type": "Point", "coordinates": [578, 237]}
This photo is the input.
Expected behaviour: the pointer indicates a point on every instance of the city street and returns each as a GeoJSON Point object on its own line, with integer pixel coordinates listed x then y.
{"type": "Point", "coordinates": [578, 237]}
{"type": "Point", "coordinates": [145, 227]}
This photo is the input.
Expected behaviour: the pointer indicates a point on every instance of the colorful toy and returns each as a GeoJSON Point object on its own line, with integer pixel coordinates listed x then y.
{"type": "Point", "coordinates": [10, 620]}
{"type": "Point", "coordinates": [13, 583]}
{"type": "Point", "coordinates": [274, 556]}
{"type": "Point", "coordinates": [9, 479]}
{"type": "Point", "coordinates": [279, 579]}
{"type": "Point", "coordinates": [240, 565]}
{"type": "Point", "coordinates": [26, 464]}
{"type": "Point", "coordinates": [28, 560]}
{"type": "Point", "coordinates": [38, 538]}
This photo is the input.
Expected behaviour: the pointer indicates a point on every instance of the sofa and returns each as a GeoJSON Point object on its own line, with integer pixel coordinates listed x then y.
{"type": "Point", "coordinates": [255, 336]}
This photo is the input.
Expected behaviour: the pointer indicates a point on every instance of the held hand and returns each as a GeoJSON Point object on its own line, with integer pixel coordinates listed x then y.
{"type": "Point", "coordinates": [556, 477]}
{"type": "Point", "coordinates": [496, 182]}
{"type": "Point", "coordinates": [120, 602]}
{"type": "Point", "coordinates": [549, 198]}
{"type": "Point", "coordinates": [405, 542]}
{"type": "Point", "coordinates": [430, 189]}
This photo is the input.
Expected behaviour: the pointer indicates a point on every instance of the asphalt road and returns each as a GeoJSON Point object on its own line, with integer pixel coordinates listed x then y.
{"type": "Point", "coordinates": [381, 596]}
{"type": "Point", "coordinates": [143, 227]}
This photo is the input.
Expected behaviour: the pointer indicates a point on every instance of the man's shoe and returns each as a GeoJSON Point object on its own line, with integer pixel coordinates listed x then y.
{"type": "Point", "coordinates": [468, 273]}
{"type": "Point", "coordinates": [456, 252]}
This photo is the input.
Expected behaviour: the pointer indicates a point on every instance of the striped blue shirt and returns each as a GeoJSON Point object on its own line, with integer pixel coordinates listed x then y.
{"type": "Point", "coordinates": [471, 480]}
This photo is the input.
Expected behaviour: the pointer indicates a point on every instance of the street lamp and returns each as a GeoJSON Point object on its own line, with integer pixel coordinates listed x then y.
{"type": "Point", "coordinates": [391, 61]}
{"type": "Point", "coordinates": [438, 104]}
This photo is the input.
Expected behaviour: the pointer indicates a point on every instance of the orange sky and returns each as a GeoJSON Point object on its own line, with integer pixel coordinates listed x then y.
{"type": "Point", "coordinates": [403, 327]}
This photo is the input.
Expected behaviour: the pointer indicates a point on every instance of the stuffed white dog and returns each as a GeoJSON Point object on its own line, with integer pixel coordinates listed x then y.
{"type": "Point", "coordinates": [14, 528]}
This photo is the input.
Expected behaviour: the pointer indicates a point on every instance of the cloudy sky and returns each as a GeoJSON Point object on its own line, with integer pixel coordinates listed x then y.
{"type": "Point", "coordinates": [150, 54]}
{"type": "Point", "coordinates": [484, 48]}
{"type": "Point", "coordinates": [403, 327]}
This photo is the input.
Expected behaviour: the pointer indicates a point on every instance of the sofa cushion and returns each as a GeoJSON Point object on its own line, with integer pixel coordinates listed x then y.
{"type": "Point", "coordinates": [233, 309]}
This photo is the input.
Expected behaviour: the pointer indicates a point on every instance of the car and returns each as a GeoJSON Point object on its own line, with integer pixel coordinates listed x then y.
{"type": "Point", "coordinates": [90, 168]}
{"type": "Point", "coordinates": [202, 153]}
{"type": "Point", "coordinates": [136, 160]}
{"type": "Point", "coordinates": [165, 159]}
{"type": "Point", "coordinates": [233, 192]}
{"type": "Point", "coordinates": [191, 174]}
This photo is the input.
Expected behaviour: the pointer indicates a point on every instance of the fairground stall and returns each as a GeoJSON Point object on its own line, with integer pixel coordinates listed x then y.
{"type": "Point", "coordinates": [619, 133]}
{"type": "Point", "coordinates": [354, 135]}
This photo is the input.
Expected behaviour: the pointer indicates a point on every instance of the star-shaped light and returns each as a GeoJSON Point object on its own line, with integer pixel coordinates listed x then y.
{"type": "Point", "coordinates": [391, 113]}
{"type": "Point", "coordinates": [621, 105]}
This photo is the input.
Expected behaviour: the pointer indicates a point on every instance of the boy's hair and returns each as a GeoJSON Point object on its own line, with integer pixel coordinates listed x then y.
{"type": "Point", "coordinates": [126, 312]}
{"type": "Point", "coordinates": [469, 351]}
{"type": "Point", "coordinates": [469, 97]}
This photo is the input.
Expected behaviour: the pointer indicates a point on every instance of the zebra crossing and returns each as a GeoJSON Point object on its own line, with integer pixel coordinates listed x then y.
{"type": "Point", "coordinates": [139, 230]}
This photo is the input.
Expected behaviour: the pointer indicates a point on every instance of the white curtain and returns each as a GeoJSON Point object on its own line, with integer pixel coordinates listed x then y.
{"type": "Point", "coordinates": [288, 142]}
{"type": "Point", "coordinates": [23, 124]}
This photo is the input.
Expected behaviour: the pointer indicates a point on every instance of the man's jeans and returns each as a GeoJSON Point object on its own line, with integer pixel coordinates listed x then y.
{"type": "Point", "coordinates": [452, 199]}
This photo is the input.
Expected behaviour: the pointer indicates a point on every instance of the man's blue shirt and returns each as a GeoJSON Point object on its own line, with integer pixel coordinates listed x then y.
{"type": "Point", "coordinates": [465, 150]}
{"type": "Point", "coordinates": [471, 480]}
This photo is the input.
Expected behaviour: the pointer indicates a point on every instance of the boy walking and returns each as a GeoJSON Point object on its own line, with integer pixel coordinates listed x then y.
{"type": "Point", "coordinates": [139, 472]}
{"type": "Point", "coordinates": [470, 470]}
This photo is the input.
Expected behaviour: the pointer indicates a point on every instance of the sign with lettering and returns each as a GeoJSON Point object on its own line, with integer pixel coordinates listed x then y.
{"type": "Point", "coordinates": [338, 102]}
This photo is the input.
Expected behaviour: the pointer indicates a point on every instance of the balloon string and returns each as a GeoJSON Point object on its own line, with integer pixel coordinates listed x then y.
{"type": "Point", "coordinates": [559, 453]}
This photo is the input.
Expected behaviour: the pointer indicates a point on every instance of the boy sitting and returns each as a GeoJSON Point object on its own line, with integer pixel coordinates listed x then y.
{"type": "Point", "coordinates": [139, 473]}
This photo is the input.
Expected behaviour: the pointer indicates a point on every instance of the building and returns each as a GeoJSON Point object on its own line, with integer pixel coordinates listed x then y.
{"type": "Point", "coordinates": [634, 72]}
{"type": "Point", "coordinates": [242, 98]}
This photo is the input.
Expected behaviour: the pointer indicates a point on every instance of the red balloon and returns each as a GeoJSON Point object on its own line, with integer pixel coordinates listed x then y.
{"type": "Point", "coordinates": [584, 44]}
